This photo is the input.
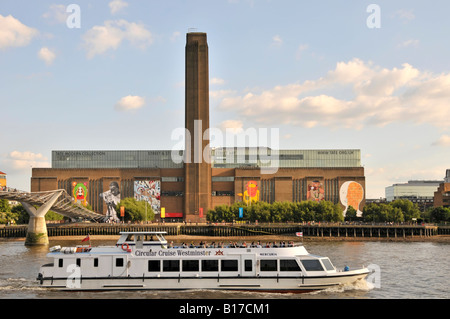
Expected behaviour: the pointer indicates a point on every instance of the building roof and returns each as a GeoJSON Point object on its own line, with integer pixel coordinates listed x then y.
{"type": "Point", "coordinates": [1, 173]}
{"type": "Point", "coordinates": [419, 183]}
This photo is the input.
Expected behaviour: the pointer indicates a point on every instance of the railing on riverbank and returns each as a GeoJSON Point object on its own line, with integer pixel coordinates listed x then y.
{"type": "Point", "coordinates": [369, 231]}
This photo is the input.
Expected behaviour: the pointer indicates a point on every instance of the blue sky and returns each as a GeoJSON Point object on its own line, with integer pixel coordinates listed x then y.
{"type": "Point", "coordinates": [312, 69]}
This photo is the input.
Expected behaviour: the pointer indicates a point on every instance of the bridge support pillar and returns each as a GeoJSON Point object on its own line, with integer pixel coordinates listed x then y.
{"type": "Point", "coordinates": [37, 228]}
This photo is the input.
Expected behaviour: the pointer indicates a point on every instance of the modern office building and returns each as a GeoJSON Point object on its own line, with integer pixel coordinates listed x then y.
{"type": "Point", "coordinates": [186, 183]}
{"type": "Point", "coordinates": [420, 192]}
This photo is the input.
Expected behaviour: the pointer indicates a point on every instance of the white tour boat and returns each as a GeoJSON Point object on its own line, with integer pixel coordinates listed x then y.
{"type": "Point", "coordinates": [144, 260]}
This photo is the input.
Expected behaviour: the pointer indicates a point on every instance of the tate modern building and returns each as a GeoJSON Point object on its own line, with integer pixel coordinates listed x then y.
{"type": "Point", "coordinates": [184, 184]}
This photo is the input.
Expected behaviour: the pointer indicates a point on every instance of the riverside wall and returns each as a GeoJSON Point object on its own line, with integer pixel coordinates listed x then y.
{"type": "Point", "coordinates": [236, 230]}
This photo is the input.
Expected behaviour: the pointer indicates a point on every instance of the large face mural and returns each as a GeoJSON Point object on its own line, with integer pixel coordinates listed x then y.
{"type": "Point", "coordinates": [352, 194]}
{"type": "Point", "coordinates": [111, 198]}
{"type": "Point", "coordinates": [251, 192]}
{"type": "Point", "coordinates": [316, 191]}
{"type": "Point", "coordinates": [149, 191]}
{"type": "Point", "coordinates": [80, 193]}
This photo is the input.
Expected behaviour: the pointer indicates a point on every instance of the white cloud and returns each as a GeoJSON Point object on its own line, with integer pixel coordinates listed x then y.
{"type": "Point", "coordinates": [300, 49]}
{"type": "Point", "coordinates": [175, 36]}
{"type": "Point", "coordinates": [277, 41]}
{"type": "Point", "coordinates": [409, 43]}
{"type": "Point", "coordinates": [444, 140]}
{"type": "Point", "coordinates": [109, 36]}
{"type": "Point", "coordinates": [117, 5]}
{"type": "Point", "coordinates": [405, 15]}
{"type": "Point", "coordinates": [130, 103]}
{"type": "Point", "coordinates": [232, 126]}
{"type": "Point", "coordinates": [14, 33]}
{"type": "Point", "coordinates": [217, 81]}
{"type": "Point", "coordinates": [46, 55]}
{"type": "Point", "coordinates": [219, 94]}
{"type": "Point", "coordinates": [57, 13]}
{"type": "Point", "coordinates": [26, 160]}
{"type": "Point", "coordinates": [368, 95]}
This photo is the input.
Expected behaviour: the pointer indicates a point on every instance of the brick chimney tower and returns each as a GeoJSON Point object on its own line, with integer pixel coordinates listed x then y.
{"type": "Point", "coordinates": [197, 165]}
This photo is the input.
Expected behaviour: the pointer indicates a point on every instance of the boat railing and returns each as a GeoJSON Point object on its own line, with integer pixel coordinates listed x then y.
{"type": "Point", "coordinates": [233, 245]}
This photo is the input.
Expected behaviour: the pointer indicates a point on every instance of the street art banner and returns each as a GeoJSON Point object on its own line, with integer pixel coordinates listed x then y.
{"type": "Point", "coordinates": [315, 192]}
{"type": "Point", "coordinates": [80, 193]}
{"type": "Point", "coordinates": [352, 194]}
{"type": "Point", "coordinates": [251, 192]}
{"type": "Point", "coordinates": [111, 198]}
{"type": "Point", "coordinates": [149, 191]}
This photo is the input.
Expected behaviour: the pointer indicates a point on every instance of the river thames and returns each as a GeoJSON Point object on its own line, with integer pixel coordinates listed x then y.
{"type": "Point", "coordinates": [402, 270]}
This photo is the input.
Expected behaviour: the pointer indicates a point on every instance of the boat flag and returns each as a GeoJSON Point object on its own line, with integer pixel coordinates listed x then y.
{"type": "Point", "coordinates": [299, 234]}
{"type": "Point", "coordinates": [86, 238]}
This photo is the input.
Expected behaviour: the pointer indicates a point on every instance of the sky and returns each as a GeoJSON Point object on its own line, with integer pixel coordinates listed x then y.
{"type": "Point", "coordinates": [109, 75]}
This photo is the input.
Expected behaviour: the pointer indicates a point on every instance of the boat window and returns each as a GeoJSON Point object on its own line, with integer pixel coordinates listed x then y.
{"type": "Point", "coordinates": [119, 262]}
{"type": "Point", "coordinates": [171, 265]}
{"type": "Point", "coordinates": [289, 265]}
{"type": "Point", "coordinates": [130, 237]}
{"type": "Point", "coordinates": [79, 262]}
{"type": "Point", "coordinates": [154, 265]}
{"type": "Point", "coordinates": [268, 265]}
{"type": "Point", "coordinates": [95, 262]}
{"type": "Point", "coordinates": [229, 265]}
{"type": "Point", "coordinates": [312, 265]}
{"type": "Point", "coordinates": [327, 263]}
{"type": "Point", "coordinates": [190, 265]}
{"type": "Point", "coordinates": [210, 265]}
{"type": "Point", "coordinates": [248, 265]}
{"type": "Point", "coordinates": [60, 262]}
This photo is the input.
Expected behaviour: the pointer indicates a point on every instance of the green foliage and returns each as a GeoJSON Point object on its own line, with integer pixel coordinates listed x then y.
{"type": "Point", "coordinates": [351, 214]}
{"type": "Point", "coordinates": [278, 212]}
{"type": "Point", "coordinates": [400, 210]}
{"type": "Point", "coordinates": [440, 214]}
{"type": "Point", "coordinates": [51, 215]}
{"type": "Point", "coordinates": [4, 206]}
{"type": "Point", "coordinates": [135, 210]}
{"type": "Point", "coordinates": [407, 208]}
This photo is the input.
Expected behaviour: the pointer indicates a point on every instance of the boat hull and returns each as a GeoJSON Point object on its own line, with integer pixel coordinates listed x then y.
{"type": "Point", "coordinates": [262, 284]}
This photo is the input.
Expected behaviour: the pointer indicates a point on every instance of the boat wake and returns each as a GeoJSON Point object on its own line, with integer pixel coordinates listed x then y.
{"type": "Point", "coordinates": [360, 285]}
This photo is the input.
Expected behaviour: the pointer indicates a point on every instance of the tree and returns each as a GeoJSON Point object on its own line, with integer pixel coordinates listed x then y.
{"type": "Point", "coordinates": [351, 214]}
{"type": "Point", "coordinates": [440, 214]}
{"type": "Point", "coordinates": [135, 211]}
{"type": "Point", "coordinates": [409, 209]}
{"type": "Point", "coordinates": [4, 206]}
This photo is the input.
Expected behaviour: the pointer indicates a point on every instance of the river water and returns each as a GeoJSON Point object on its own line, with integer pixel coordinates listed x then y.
{"type": "Point", "coordinates": [402, 270]}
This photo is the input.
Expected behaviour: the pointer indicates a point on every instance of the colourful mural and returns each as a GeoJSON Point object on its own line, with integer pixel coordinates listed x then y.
{"type": "Point", "coordinates": [251, 193]}
{"type": "Point", "coordinates": [149, 191]}
{"type": "Point", "coordinates": [80, 193]}
{"type": "Point", "coordinates": [316, 191]}
{"type": "Point", "coordinates": [352, 194]}
{"type": "Point", "coordinates": [111, 198]}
